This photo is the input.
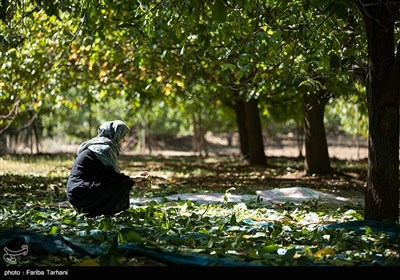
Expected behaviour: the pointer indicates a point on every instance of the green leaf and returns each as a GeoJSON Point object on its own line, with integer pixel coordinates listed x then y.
{"type": "Point", "coordinates": [273, 248]}
{"type": "Point", "coordinates": [210, 242]}
{"type": "Point", "coordinates": [368, 230]}
{"type": "Point", "coordinates": [341, 12]}
{"type": "Point", "coordinates": [67, 221]}
{"type": "Point", "coordinates": [233, 220]}
{"type": "Point", "coordinates": [229, 66]}
{"type": "Point", "coordinates": [54, 230]}
{"type": "Point", "coordinates": [105, 224]}
{"type": "Point", "coordinates": [253, 253]}
{"type": "Point", "coordinates": [133, 236]}
{"type": "Point", "coordinates": [219, 11]}
{"type": "Point", "coordinates": [289, 255]}
{"type": "Point", "coordinates": [188, 225]}
{"type": "Point", "coordinates": [334, 62]}
{"type": "Point", "coordinates": [239, 75]}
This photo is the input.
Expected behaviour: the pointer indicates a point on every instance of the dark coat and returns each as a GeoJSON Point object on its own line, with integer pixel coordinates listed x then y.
{"type": "Point", "coordinates": [96, 189]}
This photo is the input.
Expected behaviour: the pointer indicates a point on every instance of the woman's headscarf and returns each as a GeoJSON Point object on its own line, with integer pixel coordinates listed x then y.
{"type": "Point", "coordinates": [106, 144]}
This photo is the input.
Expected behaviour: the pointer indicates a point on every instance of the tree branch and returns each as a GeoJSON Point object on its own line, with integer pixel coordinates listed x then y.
{"type": "Point", "coordinates": [83, 19]}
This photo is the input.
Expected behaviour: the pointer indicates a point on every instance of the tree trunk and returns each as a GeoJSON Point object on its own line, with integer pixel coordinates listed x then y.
{"type": "Point", "coordinates": [241, 123]}
{"type": "Point", "coordinates": [202, 136]}
{"type": "Point", "coordinates": [300, 137]}
{"type": "Point", "coordinates": [382, 192]}
{"type": "Point", "coordinates": [149, 137]}
{"type": "Point", "coordinates": [316, 155]}
{"type": "Point", "coordinates": [37, 137]}
{"type": "Point", "coordinates": [195, 139]}
{"type": "Point", "coordinates": [199, 143]}
{"type": "Point", "coordinates": [254, 130]}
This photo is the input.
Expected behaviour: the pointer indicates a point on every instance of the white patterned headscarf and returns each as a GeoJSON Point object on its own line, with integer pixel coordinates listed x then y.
{"type": "Point", "coordinates": [106, 145]}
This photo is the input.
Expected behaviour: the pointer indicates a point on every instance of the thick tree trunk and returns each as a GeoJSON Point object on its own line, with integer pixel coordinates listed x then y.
{"type": "Point", "coordinates": [254, 130]}
{"type": "Point", "coordinates": [241, 123]}
{"type": "Point", "coordinates": [382, 192]}
{"type": "Point", "coordinates": [316, 155]}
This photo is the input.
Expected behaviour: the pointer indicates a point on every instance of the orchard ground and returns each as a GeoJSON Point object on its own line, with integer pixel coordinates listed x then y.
{"type": "Point", "coordinates": [348, 156]}
{"type": "Point", "coordinates": [340, 147]}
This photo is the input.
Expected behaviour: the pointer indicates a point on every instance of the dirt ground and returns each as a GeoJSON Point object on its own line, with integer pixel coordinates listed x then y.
{"type": "Point", "coordinates": [339, 147]}
{"type": "Point", "coordinates": [348, 159]}
{"type": "Point", "coordinates": [347, 184]}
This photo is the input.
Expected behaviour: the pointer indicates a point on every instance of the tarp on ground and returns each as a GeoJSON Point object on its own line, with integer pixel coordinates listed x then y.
{"type": "Point", "coordinates": [14, 240]}
{"type": "Point", "coordinates": [273, 196]}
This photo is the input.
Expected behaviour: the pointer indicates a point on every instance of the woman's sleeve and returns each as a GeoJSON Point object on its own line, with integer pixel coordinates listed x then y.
{"type": "Point", "coordinates": [109, 174]}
